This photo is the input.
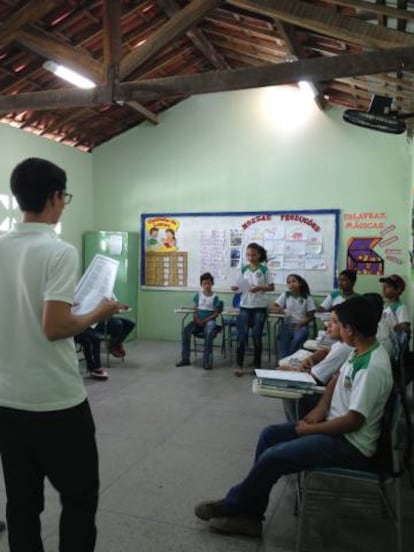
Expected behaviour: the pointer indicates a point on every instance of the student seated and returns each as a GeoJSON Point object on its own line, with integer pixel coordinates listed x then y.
{"type": "Point", "coordinates": [395, 312]}
{"type": "Point", "coordinates": [322, 365]}
{"type": "Point", "coordinates": [91, 348]}
{"type": "Point", "coordinates": [118, 329]}
{"type": "Point", "coordinates": [385, 332]}
{"type": "Point", "coordinates": [346, 283]}
{"type": "Point", "coordinates": [300, 307]}
{"type": "Point", "coordinates": [207, 308]}
{"type": "Point", "coordinates": [341, 431]}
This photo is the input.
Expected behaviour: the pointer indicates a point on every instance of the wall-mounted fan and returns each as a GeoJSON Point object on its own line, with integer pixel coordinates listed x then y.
{"type": "Point", "coordinates": [378, 117]}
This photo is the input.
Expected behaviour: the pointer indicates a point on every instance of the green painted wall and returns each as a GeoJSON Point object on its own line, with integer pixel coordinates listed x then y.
{"type": "Point", "coordinates": [17, 145]}
{"type": "Point", "coordinates": [224, 152]}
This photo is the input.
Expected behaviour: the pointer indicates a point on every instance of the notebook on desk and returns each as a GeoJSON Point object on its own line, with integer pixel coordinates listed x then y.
{"type": "Point", "coordinates": [286, 379]}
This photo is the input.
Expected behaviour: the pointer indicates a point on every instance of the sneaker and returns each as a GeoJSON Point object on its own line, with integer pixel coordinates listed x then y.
{"type": "Point", "coordinates": [183, 363]}
{"type": "Point", "coordinates": [118, 351]}
{"type": "Point", "coordinates": [211, 509]}
{"type": "Point", "coordinates": [237, 525]}
{"type": "Point", "coordinates": [99, 374]}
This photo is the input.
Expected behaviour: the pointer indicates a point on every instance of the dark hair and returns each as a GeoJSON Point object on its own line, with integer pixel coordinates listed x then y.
{"type": "Point", "coordinates": [350, 274]}
{"type": "Point", "coordinates": [34, 181]}
{"type": "Point", "coordinates": [154, 229]}
{"type": "Point", "coordinates": [260, 250]}
{"type": "Point", "coordinates": [377, 303]}
{"type": "Point", "coordinates": [207, 276]}
{"type": "Point", "coordinates": [303, 284]}
{"type": "Point", "coordinates": [360, 314]}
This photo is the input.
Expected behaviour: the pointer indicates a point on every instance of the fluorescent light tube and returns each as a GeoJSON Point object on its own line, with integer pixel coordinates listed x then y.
{"type": "Point", "coordinates": [68, 75]}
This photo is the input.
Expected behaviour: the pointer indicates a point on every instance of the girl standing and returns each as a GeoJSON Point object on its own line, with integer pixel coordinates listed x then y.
{"type": "Point", "coordinates": [299, 306]}
{"type": "Point", "coordinates": [253, 303]}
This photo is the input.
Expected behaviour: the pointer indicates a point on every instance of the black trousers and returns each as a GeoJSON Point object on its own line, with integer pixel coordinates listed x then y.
{"type": "Point", "coordinates": [61, 446]}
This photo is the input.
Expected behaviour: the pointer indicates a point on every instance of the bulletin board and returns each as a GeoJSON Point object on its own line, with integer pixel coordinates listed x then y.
{"type": "Point", "coordinates": [176, 248]}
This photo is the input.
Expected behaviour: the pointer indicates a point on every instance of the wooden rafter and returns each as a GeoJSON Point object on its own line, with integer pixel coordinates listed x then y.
{"type": "Point", "coordinates": [197, 37]}
{"type": "Point", "coordinates": [314, 69]}
{"type": "Point", "coordinates": [335, 25]}
{"type": "Point", "coordinates": [177, 25]}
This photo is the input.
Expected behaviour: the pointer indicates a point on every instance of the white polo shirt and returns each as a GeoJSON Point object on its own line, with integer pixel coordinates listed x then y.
{"type": "Point", "coordinates": [258, 277]}
{"type": "Point", "coordinates": [324, 370]}
{"type": "Point", "coordinates": [364, 385]}
{"type": "Point", "coordinates": [296, 306]}
{"type": "Point", "coordinates": [36, 374]}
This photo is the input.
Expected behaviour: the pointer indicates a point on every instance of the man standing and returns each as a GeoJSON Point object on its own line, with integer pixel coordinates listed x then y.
{"type": "Point", "coordinates": [46, 426]}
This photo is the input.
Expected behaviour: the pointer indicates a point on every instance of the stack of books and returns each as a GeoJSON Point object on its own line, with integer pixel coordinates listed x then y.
{"type": "Point", "coordinates": [286, 380]}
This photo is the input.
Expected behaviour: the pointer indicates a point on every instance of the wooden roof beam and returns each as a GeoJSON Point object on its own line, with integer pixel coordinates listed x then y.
{"type": "Point", "coordinates": [313, 69]}
{"type": "Point", "coordinates": [321, 20]}
{"type": "Point", "coordinates": [49, 47]}
{"type": "Point", "coordinates": [376, 9]}
{"type": "Point", "coordinates": [29, 13]}
{"type": "Point", "coordinates": [197, 37]}
{"type": "Point", "coordinates": [178, 24]}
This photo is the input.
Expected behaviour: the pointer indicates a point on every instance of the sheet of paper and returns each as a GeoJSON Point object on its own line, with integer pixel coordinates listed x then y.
{"type": "Point", "coordinates": [96, 283]}
{"type": "Point", "coordinates": [286, 375]}
{"type": "Point", "coordinates": [242, 285]}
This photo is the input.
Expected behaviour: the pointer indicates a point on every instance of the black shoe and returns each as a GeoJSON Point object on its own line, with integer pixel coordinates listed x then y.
{"type": "Point", "coordinates": [211, 509]}
{"type": "Point", "coordinates": [183, 363]}
{"type": "Point", "coordinates": [2, 526]}
{"type": "Point", "coordinates": [237, 525]}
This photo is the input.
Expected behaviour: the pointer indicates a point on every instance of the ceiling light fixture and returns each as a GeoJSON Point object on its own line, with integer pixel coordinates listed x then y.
{"type": "Point", "coordinates": [308, 88]}
{"type": "Point", "coordinates": [68, 75]}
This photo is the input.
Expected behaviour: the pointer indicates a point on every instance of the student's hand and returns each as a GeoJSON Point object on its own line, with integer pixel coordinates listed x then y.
{"type": "Point", "coordinates": [306, 365]}
{"type": "Point", "coordinates": [315, 416]}
{"type": "Point", "coordinates": [304, 428]}
{"type": "Point", "coordinates": [106, 309]}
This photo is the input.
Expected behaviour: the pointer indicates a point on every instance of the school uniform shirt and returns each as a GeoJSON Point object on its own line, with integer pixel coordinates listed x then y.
{"type": "Point", "coordinates": [338, 354]}
{"type": "Point", "coordinates": [296, 306]}
{"type": "Point", "coordinates": [206, 304]}
{"type": "Point", "coordinates": [36, 374]}
{"type": "Point", "coordinates": [258, 277]}
{"type": "Point", "coordinates": [364, 385]}
{"type": "Point", "coordinates": [386, 334]}
{"type": "Point", "coordinates": [334, 298]}
{"type": "Point", "coordinates": [395, 313]}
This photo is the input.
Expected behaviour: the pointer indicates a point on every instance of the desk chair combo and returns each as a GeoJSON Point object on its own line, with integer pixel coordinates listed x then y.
{"type": "Point", "coordinates": [385, 474]}
{"type": "Point", "coordinates": [198, 337]}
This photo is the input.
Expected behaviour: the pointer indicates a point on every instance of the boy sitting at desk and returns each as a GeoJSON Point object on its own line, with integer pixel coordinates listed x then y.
{"type": "Point", "coordinates": [395, 312]}
{"type": "Point", "coordinates": [322, 365]}
{"type": "Point", "coordinates": [341, 431]}
{"type": "Point", "coordinates": [207, 307]}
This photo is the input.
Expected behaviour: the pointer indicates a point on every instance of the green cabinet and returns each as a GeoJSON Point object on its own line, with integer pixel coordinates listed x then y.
{"type": "Point", "coordinates": [123, 247]}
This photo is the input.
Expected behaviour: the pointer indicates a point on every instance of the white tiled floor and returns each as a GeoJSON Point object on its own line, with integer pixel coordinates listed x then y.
{"type": "Point", "coordinates": [170, 437]}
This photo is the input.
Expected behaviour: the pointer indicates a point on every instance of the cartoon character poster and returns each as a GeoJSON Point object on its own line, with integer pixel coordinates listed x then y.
{"type": "Point", "coordinates": [161, 234]}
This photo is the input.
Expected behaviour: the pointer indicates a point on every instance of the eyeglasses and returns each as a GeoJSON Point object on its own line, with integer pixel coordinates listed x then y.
{"type": "Point", "coordinates": [67, 198]}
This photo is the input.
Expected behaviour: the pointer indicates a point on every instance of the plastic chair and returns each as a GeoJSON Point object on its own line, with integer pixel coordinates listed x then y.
{"type": "Point", "coordinates": [386, 472]}
{"type": "Point", "coordinates": [198, 338]}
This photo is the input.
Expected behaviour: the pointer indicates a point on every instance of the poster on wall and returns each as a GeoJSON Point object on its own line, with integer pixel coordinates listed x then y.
{"type": "Point", "coordinates": [373, 243]}
{"type": "Point", "coordinates": [177, 248]}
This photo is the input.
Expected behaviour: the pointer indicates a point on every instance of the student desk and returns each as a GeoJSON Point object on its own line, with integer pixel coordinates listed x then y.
{"type": "Point", "coordinates": [282, 393]}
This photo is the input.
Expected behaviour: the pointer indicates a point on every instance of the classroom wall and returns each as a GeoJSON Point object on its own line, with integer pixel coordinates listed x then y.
{"type": "Point", "coordinates": [17, 145]}
{"type": "Point", "coordinates": [235, 151]}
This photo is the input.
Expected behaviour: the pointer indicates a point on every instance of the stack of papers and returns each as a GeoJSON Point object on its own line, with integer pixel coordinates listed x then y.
{"type": "Point", "coordinates": [286, 379]}
{"type": "Point", "coordinates": [295, 359]}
